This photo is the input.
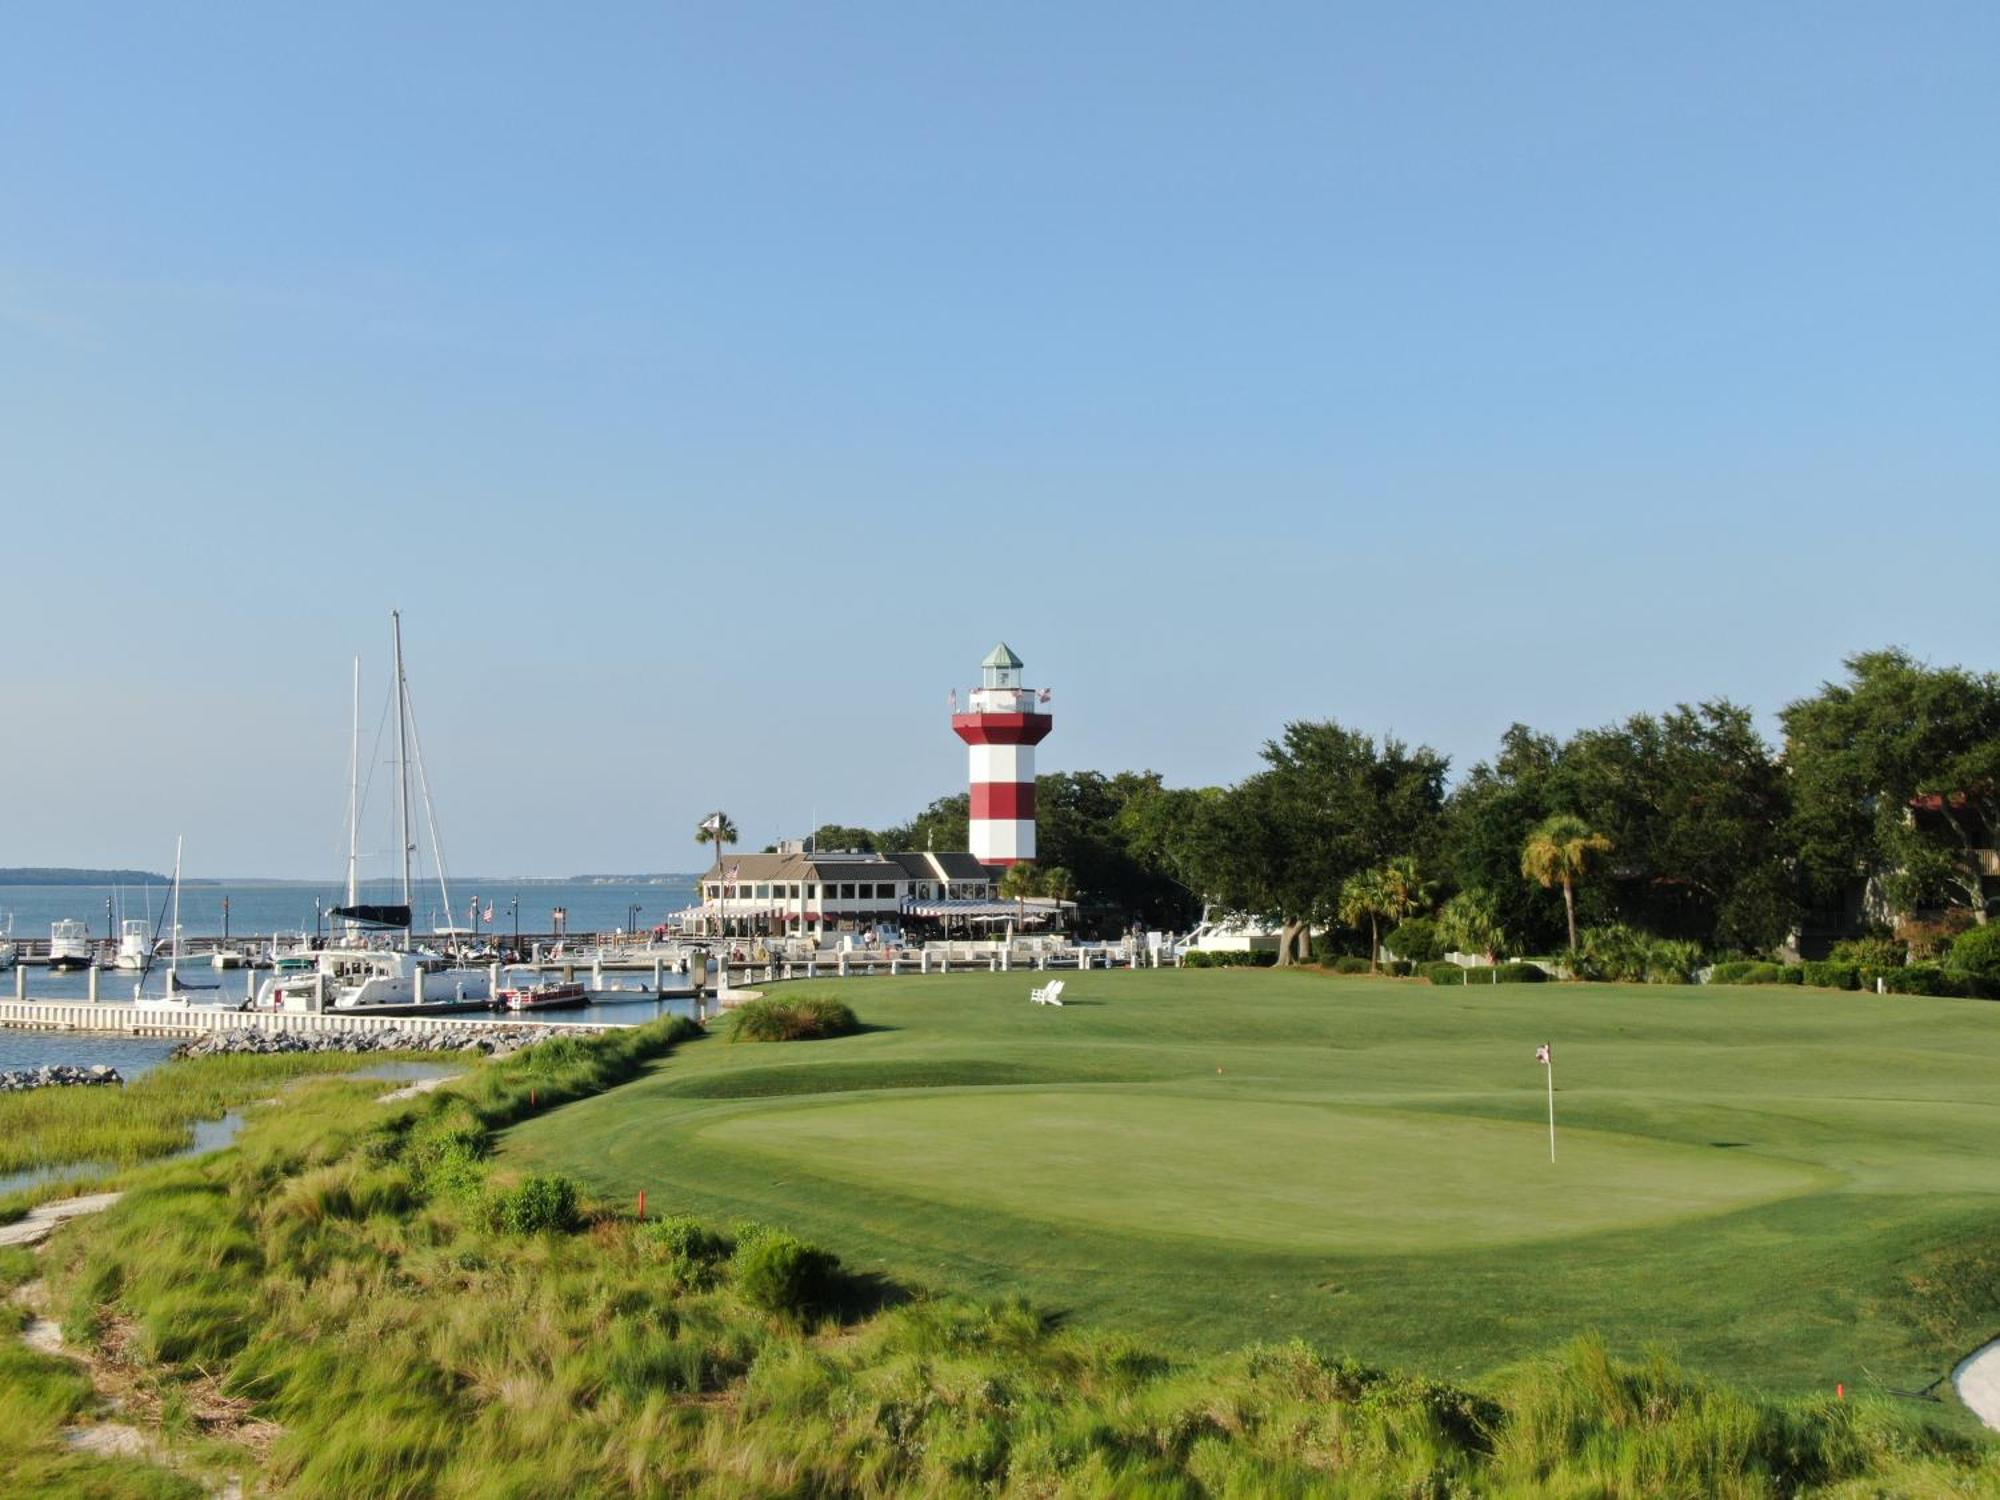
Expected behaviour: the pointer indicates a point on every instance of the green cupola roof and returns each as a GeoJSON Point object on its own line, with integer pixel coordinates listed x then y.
{"type": "Point", "coordinates": [1002, 657]}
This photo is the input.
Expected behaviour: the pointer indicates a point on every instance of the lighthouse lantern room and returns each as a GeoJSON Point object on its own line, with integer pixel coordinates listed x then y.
{"type": "Point", "coordinates": [1005, 724]}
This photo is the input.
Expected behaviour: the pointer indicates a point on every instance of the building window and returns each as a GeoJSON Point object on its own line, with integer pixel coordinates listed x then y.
{"type": "Point", "coordinates": [885, 892]}
{"type": "Point", "coordinates": [847, 891]}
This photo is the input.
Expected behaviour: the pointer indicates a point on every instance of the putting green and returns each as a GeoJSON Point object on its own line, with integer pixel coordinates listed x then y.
{"type": "Point", "coordinates": [1291, 1176]}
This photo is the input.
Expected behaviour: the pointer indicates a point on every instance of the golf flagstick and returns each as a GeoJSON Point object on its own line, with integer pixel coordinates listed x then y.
{"type": "Point", "coordinates": [1547, 1059]}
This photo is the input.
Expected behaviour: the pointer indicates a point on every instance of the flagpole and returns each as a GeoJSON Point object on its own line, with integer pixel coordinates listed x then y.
{"type": "Point", "coordinates": [1552, 1108]}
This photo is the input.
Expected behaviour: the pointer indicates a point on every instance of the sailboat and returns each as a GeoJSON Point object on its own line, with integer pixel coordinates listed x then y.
{"type": "Point", "coordinates": [352, 976]}
{"type": "Point", "coordinates": [179, 995]}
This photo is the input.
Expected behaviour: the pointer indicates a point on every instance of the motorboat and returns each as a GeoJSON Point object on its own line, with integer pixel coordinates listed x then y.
{"type": "Point", "coordinates": [135, 944]}
{"type": "Point", "coordinates": [558, 995]}
{"type": "Point", "coordinates": [69, 946]}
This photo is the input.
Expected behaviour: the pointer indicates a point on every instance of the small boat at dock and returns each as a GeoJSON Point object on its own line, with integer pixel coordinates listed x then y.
{"type": "Point", "coordinates": [69, 946]}
{"type": "Point", "coordinates": [558, 995]}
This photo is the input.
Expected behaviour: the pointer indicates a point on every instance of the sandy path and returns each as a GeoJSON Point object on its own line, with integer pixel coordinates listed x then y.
{"type": "Point", "coordinates": [42, 1222]}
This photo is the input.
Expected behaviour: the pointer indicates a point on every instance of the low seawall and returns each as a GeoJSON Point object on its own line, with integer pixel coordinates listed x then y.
{"type": "Point", "coordinates": [143, 1020]}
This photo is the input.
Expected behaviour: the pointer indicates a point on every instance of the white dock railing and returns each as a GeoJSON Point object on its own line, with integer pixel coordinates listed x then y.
{"type": "Point", "coordinates": [141, 1020]}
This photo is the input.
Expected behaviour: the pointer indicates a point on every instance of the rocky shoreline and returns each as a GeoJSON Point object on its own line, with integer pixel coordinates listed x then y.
{"type": "Point", "coordinates": [488, 1041]}
{"type": "Point", "coordinates": [55, 1076]}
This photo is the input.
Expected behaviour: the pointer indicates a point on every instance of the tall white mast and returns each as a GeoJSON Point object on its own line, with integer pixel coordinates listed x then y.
{"type": "Point", "coordinates": [402, 763]}
{"type": "Point", "coordinates": [174, 932]}
{"type": "Point", "coordinates": [354, 802]}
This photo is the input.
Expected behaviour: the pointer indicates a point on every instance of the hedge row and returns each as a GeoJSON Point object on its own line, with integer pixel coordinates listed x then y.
{"type": "Point", "coordinates": [1228, 960]}
{"type": "Point", "coordinates": [1445, 972]}
{"type": "Point", "coordinates": [1835, 974]}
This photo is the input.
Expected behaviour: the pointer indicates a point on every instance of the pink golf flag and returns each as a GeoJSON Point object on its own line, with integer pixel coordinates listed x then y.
{"type": "Point", "coordinates": [1542, 1054]}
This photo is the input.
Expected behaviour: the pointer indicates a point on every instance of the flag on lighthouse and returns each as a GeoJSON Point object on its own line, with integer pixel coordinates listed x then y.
{"type": "Point", "coordinates": [1542, 1056]}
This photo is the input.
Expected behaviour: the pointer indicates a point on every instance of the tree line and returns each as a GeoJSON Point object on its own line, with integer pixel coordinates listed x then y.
{"type": "Point", "coordinates": [1687, 825]}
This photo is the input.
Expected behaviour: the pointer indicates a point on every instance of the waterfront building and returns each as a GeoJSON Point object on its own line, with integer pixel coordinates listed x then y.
{"type": "Point", "coordinates": [843, 890]}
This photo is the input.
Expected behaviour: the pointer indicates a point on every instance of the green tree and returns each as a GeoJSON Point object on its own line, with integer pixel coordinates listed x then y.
{"type": "Point", "coordinates": [842, 836]}
{"type": "Point", "coordinates": [945, 824]}
{"type": "Point", "coordinates": [1561, 851]}
{"type": "Point", "coordinates": [1329, 802]}
{"type": "Point", "coordinates": [1365, 896]}
{"type": "Point", "coordinates": [1470, 922]}
{"type": "Point", "coordinates": [1896, 775]}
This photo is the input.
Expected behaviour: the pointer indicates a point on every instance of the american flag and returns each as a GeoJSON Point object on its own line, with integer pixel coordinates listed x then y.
{"type": "Point", "coordinates": [1542, 1055]}
{"type": "Point", "coordinates": [731, 876]}
{"type": "Point", "coordinates": [489, 911]}
{"type": "Point", "coordinates": [1045, 695]}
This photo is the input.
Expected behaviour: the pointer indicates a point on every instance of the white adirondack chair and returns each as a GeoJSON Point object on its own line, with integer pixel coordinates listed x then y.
{"type": "Point", "coordinates": [1048, 994]}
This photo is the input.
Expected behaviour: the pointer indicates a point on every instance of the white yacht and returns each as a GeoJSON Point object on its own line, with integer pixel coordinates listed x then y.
{"type": "Point", "coordinates": [379, 982]}
{"type": "Point", "coordinates": [135, 944]}
{"type": "Point", "coordinates": [69, 945]}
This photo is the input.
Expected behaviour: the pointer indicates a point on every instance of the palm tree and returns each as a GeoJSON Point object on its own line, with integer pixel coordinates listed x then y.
{"type": "Point", "coordinates": [716, 829]}
{"type": "Point", "coordinates": [1365, 896]}
{"type": "Point", "coordinates": [1470, 922]}
{"type": "Point", "coordinates": [1561, 851]}
{"type": "Point", "coordinates": [1404, 888]}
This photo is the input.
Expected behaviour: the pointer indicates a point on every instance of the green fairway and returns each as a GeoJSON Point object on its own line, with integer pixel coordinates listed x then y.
{"type": "Point", "coordinates": [1275, 1175]}
{"type": "Point", "coordinates": [1790, 1188]}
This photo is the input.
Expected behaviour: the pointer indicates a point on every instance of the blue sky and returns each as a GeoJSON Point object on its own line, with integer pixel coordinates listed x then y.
{"type": "Point", "coordinates": [711, 386]}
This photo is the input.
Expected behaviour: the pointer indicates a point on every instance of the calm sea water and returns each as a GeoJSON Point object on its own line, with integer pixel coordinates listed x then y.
{"type": "Point", "coordinates": [288, 907]}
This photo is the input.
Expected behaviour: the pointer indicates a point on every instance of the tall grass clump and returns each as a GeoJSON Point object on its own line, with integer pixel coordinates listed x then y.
{"type": "Point", "coordinates": [154, 1115]}
{"type": "Point", "coordinates": [791, 1018]}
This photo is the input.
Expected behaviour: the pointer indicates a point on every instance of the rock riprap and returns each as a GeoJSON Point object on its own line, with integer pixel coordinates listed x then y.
{"type": "Point", "coordinates": [55, 1076]}
{"type": "Point", "coordinates": [253, 1041]}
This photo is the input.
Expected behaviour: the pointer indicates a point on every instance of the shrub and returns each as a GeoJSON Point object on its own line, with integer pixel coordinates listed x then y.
{"type": "Point", "coordinates": [1442, 972]}
{"type": "Point", "coordinates": [1733, 971]}
{"type": "Point", "coordinates": [1349, 964]}
{"type": "Point", "coordinates": [1612, 952]}
{"type": "Point", "coordinates": [543, 1204]}
{"type": "Point", "coordinates": [1922, 979]}
{"type": "Point", "coordinates": [1417, 940]}
{"type": "Point", "coordinates": [1767, 973]}
{"type": "Point", "coordinates": [1672, 961]}
{"type": "Point", "coordinates": [783, 1274]}
{"type": "Point", "coordinates": [693, 1252]}
{"type": "Point", "coordinates": [1826, 974]}
{"type": "Point", "coordinates": [1230, 958]}
{"type": "Point", "coordinates": [790, 1019]}
{"type": "Point", "coordinates": [1401, 968]}
{"type": "Point", "coordinates": [1330, 947]}
{"type": "Point", "coordinates": [1520, 974]}
{"type": "Point", "coordinates": [1977, 951]}
{"type": "Point", "coordinates": [1870, 953]}
{"type": "Point", "coordinates": [1929, 942]}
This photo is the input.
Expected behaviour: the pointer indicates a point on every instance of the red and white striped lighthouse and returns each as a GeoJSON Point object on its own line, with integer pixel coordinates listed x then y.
{"type": "Point", "coordinates": [1007, 721]}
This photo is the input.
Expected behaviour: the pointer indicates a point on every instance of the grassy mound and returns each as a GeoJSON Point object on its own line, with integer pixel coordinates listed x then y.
{"type": "Point", "coordinates": [791, 1018]}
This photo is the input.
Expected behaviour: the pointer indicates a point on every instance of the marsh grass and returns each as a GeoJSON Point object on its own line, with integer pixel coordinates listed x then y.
{"type": "Point", "coordinates": [153, 1116]}
{"type": "Point", "coordinates": [339, 1268]}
